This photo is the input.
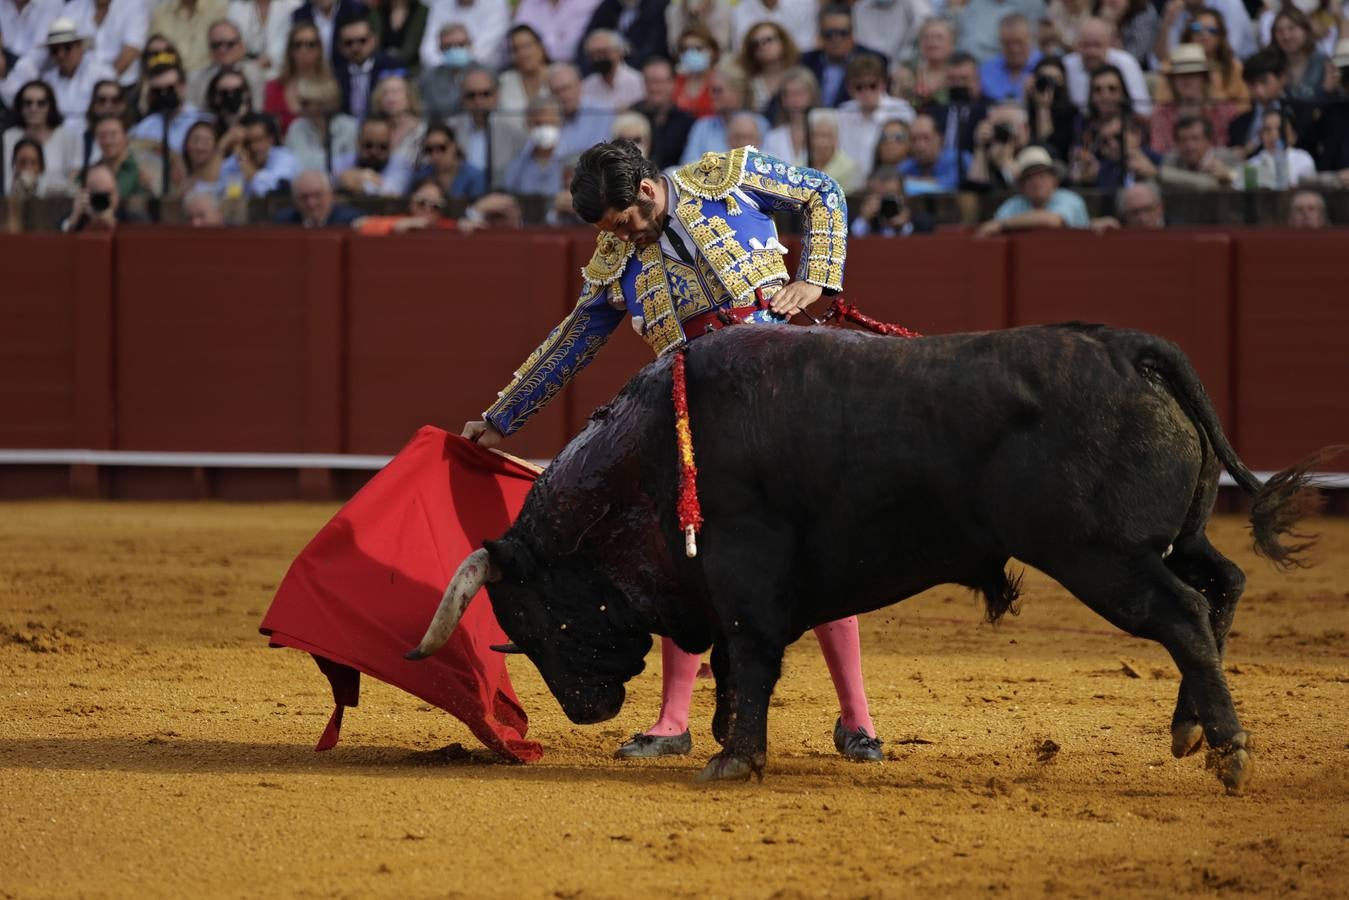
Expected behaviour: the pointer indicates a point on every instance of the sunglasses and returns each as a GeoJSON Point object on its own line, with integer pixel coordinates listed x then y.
{"type": "Point", "coordinates": [867, 86]}
{"type": "Point", "coordinates": [437, 148]}
{"type": "Point", "coordinates": [107, 98]}
{"type": "Point", "coordinates": [371, 145]}
{"type": "Point", "coordinates": [58, 49]}
{"type": "Point", "coordinates": [426, 203]}
{"type": "Point", "coordinates": [224, 45]}
{"type": "Point", "coordinates": [764, 41]}
{"type": "Point", "coordinates": [355, 42]}
{"type": "Point", "coordinates": [478, 95]}
{"type": "Point", "coordinates": [35, 103]}
{"type": "Point", "coordinates": [833, 34]}
{"type": "Point", "coordinates": [304, 45]}
{"type": "Point", "coordinates": [895, 138]}
{"type": "Point", "coordinates": [1196, 28]}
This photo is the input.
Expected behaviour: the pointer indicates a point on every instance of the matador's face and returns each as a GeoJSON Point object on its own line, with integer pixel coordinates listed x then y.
{"type": "Point", "coordinates": [642, 222]}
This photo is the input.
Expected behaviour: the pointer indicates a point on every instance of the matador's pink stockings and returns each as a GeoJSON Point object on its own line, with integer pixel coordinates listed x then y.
{"type": "Point", "coordinates": [842, 653]}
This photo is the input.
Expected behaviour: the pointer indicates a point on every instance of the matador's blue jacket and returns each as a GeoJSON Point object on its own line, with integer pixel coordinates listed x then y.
{"type": "Point", "coordinates": [725, 203]}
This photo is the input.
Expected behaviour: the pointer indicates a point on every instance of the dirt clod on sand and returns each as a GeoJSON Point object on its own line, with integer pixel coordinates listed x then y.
{"type": "Point", "coordinates": [152, 745]}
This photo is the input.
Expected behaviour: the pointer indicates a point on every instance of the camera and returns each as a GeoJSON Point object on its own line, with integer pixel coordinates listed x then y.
{"type": "Point", "coordinates": [891, 206]}
{"type": "Point", "coordinates": [1002, 134]}
{"type": "Point", "coordinates": [99, 201]}
{"type": "Point", "coordinates": [1044, 83]}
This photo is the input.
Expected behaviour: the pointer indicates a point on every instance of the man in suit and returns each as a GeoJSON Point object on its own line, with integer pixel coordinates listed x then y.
{"type": "Point", "coordinates": [324, 15]}
{"type": "Point", "coordinates": [641, 24]}
{"type": "Point", "coordinates": [837, 47]}
{"type": "Point", "coordinates": [362, 67]}
{"type": "Point", "coordinates": [314, 208]}
{"type": "Point", "coordinates": [670, 125]}
{"type": "Point", "coordinates": [965, 108]}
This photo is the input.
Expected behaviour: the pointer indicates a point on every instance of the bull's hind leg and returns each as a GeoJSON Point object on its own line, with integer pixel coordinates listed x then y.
{"type": "Point", "coordinates": [1143, 597]}
{"type": "Point", "coordinates": [1220, 581]}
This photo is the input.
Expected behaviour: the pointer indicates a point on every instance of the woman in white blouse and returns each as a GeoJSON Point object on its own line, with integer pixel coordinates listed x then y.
{"type": "Point", "coordinates": [42, 122]}
{"type": "Point", "coordinates": [321, 134]}
{"type": "Point", "coordinates": [264, 25]}
{"type": "Point", "coordinates": [118, 29]}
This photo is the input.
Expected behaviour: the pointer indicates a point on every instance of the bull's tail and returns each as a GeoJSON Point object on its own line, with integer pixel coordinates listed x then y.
{"type": "Point", "coordinates": [1279, 503]}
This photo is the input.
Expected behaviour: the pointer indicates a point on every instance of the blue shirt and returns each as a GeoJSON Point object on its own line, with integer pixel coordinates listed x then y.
{"type": "Point", "coordinates": [708, 135]}
{"type": "Point", "coordinates": [151, 128]}
{"type": "Point", "coordinates": [395, 177]}
{"type": "Point", "coordinates": [944, 177]}
{"type": "Point", "coordinates": [469, 181]}
{"type": "Point", "coordinates": [587, 128]}
{"type": "Point", "coordinates": [1001, 84]}
{"type": "Point", "coordinates": [280, 167]}
{"type": "Point", "coordinates": [1065, 203]}
{"type": "Point", "coordinates": [526, 175]}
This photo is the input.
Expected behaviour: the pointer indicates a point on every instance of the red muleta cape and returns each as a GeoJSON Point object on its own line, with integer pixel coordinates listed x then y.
{"type": "Point", "coordinates": [364, 589]}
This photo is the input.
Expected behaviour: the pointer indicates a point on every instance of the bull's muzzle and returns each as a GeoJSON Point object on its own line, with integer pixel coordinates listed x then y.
{"type": "Point", "coordinates": [475, 571]}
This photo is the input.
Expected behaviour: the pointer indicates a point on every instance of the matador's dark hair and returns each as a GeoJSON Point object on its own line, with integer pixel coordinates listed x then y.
{"type": "Point", "coordinates": [607, 177]}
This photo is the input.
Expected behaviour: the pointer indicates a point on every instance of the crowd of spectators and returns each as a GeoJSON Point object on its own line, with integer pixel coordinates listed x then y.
{"type": "Point", "coordinates": [475, 103]}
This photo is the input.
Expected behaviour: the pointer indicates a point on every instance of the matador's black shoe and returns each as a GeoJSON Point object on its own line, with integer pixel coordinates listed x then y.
{"type": "Point", "coordinates": [857, 745]}
{"type": "Point", "coordinates": [646, 746]}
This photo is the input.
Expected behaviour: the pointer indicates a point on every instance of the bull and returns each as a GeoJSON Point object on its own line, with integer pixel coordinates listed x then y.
{"type": "Point", "coordinates": [840, 472]}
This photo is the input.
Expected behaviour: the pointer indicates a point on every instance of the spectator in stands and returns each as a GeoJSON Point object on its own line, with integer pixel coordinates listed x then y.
{"type": "Point", "coordinates": [640, 23]}
{"type": "Point", "coordinates": [107, 100]}
{"type": "Point", "coordinates": [165, 126]}
{"type": "Point", "coordinates": [1187, 79]}
{"type": "Point", "coordinates": [787, 138]}
{"type": "Point", "coordinates": [859, 119]}
{"type": "Point", "coordinates": [373, 169]}
{"type": "Point", "coordinates": [1140, 206]}
{"type": "Point", "coordinates": [891, 26]}
{"type": "Point", "coordinates": [538, 169]}
{"type": "Point", "coordinates": [115, 153]}
{"type": "Point", "coordinates": [201, 209]}
{"type": "Point", "coordinates": [155, 45]}
{"type": "Point", "coordinates": [185, 24]}
{"type": "Point", "coordinates": [322, 133]}
{"type": "Point", "coordinates": [1331, 135]}
{"type": "Point", "coordinates": [1041, 203]}
{"type": "Point", "coordinates": [630, 126]}
{"type": "Point", "coordinates": [559, 22]}
{"type": "Point", "coordinates": [527, 77]}
{"type": "Point", "coordinates": [1094, 51]}
{"type": "Point", "coordinates": [892, 146]}
{"type": "Point", "coordinates": [228, 101]}
{"type": "Point", "coordinates": [669, 124]}
{"type": "Point", "coordinates": [711, 16]}
{"type": "Point", "coordinates": [797, 17]}
{"type": "Point", "coordinates": [27, 172]}
{"type": "Point", "coordinates": [1115, 156]}
{"type": "Point", "coordinates": [583, 123]}
{"type": "Point", "coordinates": [965, 105]}
{"type": "Point", "coordinates": [883, 211]}
{"type": "Point", "coordinates": [260, 165]}
{"type": "Point", "coordinates": [1004, 77]}
{"type": "Point", "coordinates": [1062, 19]}
{"type": "Point", "coordinates": [304, 59]}
{"type": "Point", "coordinates": [743, 130]}
{"type": "Point", "coordinates": [362, 66]}
{"type": "Point", "coordinates": [1263, 75]}
{"type": "Point", "coordinates": [265, 26]}
{"type": "Point", "coordinates": [1178, 15]}
{"type": "Point", "coordinates": [977, 23]}
{"type": "Point", "coordinates": [1050, 114]}
{"type": "Point", "coordinates": [443, 161]}
{"type": "Point", "coordinates": [1307, 209]}
{"type": "Point", "coordinates": [426, 207]}
{"type": "Point", "coordinates": [1303, 65]}
{"type": "Point", "coordinates": [767, 52]}
{"type": "Point", "coordinates": [312, 196]}
{"type": "Point", "coordinates": [401, 26]}
{"type": "Point", "coordinates": [23, 24]}
{"type": "Point", "coordinates": [117, 29]}
{"type": "Point", "coordinates": [98, 207]}
{"type": "Point", "coordinates": [613, 84]}
{"type": "Point", "coordinates": [325, 15]}
{"type": "Point", "coordinates": [488, 21]}
{"type": "Point", "coordinates": [1194, 164]}
{"type": "Point", "coordinates": [226, 46]}
{"type": "Point", "coordinates": [66, 64]}
{"type": "Point", "coordinates": [1136, 22]}
{"type": "Point", "coordinates": [730, 94]}
{"type": "Point", "coordinates": [929, 168]}
{"type": "Point", "coordinates": [395, 101]}
{"type": "Point", "coordinates": [825, 154]}
{"type": "Point", "coordinates": [202, 160]}
{"type": "Point", "coordinates": [698, 57]}
{"type": "Point", "coordinates": [1280, 164]}
{"type": "Point", "coordinates": [478, 122]}
{"type": "Point", "coordinates": [936, 43]}
{"type": "Point", "coordinates": [441, 84]}
{"type": "Point", "coordinates": [829, 63]}
{"type": "Point", "coordinates": [997, 141]}
{"type": "Point", "coordinates": [41, 121]}
{"type": "Point", "coordinates": [1109, 98]}
{"type": "Point", "coordinates": [1208, 32]}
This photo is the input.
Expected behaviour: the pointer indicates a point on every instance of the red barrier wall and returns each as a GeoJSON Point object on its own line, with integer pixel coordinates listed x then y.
{"type": "Point", "coordinates": [1292, 356]}
{"type": "Point", "coordinates": [1174, 285]}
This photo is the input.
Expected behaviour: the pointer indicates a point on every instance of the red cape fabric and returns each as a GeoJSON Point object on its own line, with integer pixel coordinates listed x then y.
{"type": "Point", "coordinates": [363, 591]}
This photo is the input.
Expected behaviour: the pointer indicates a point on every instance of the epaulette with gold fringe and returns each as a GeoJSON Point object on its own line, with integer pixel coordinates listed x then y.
{"type": "Point", "coordinates": [715, 176]}
{"type": "Point", "coordinates": [607, 263]}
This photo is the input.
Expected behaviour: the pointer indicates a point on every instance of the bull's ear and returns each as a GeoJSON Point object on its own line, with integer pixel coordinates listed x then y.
{"type": "Point", "coordinates": [515, 562]}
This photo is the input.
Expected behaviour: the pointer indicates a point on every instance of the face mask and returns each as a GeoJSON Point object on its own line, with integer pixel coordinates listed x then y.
{"type": "Point", "coordinates": [230, 101]}
{"type": "Point", "coordinates": [163, 100]}
{"type": "Point", "coordinates": [26, 180]}
{"type": "Point", "coordinates": [456, 57]}
{"type": "Point", "coordinates": [545, 136]}
{"type": "Point", "coordinates": [959, 95]}
{"type": "Point", "coordinates": [694, 61]}
{"type": "Point", "coordinates": [602, 66]}
{"type": "Point", "coordinates": [373, 163]}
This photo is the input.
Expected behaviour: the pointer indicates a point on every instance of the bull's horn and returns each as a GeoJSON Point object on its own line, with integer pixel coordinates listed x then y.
{"type": "Point", "coordinates": [506, 648]}
{"type": "Point", "coordinates": [475, 571]}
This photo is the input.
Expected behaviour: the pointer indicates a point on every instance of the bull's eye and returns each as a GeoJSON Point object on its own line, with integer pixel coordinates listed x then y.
{"type": "Point", "coordinates": [564, 626]}
{"type": "Point", "coordinates": [603, 607]}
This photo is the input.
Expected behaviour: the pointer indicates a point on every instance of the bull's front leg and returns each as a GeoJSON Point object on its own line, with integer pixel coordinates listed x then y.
{"type": "Point", "coordinates": [746, 670]}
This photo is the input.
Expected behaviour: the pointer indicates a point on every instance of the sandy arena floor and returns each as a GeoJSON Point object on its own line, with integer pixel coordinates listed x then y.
{"type": "Point", "coordinates": [151, 743]}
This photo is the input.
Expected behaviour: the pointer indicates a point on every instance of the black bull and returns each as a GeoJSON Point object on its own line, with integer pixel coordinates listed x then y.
{"type": "Point", "coordinates": [840, 472]}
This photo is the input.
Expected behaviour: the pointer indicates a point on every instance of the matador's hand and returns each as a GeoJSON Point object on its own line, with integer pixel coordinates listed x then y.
{"type": "Point", "coordinates": [795, 297]}
{"type": "Point", "coordinates": [484, 434]}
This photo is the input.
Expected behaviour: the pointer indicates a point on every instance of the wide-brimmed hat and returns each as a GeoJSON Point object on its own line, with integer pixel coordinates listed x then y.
{"type": "Point", "coordinates": [1187, 59]}
{"type": "Point", "coordinates": [63, 30]}
{"type": "Point", "coordinates": [1035, 159]}
{"type": "Point", "coordinates": [1341, 57]}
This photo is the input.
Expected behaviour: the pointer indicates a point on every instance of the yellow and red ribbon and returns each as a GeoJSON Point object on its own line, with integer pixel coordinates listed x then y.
{"type": "Point", "coordinates": [688, 508]}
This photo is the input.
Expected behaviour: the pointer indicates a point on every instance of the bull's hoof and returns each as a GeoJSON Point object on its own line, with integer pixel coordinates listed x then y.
{"type": "Point", "coordinates": [1186, 739]}
{"type": "Point", "coordinates": [728, 767]}
{"type": "Point", "coordinates": [1232, 763]}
